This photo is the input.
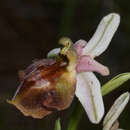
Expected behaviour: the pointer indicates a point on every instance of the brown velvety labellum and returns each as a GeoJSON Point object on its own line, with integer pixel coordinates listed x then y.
{"type": "Point", "coordinates": [46, 86]}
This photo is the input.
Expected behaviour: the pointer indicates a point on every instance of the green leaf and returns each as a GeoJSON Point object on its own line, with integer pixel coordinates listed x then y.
{"type": "Point", "coordinates": [115, 83]}
{"type": "Point", "coordinates": [57, 124]}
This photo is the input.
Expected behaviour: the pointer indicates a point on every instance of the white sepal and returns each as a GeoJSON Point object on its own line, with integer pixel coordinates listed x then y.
{"type": "Point", "coordinates": [89, 94]}
{"type": "Point", "coordinates": [103, 35]}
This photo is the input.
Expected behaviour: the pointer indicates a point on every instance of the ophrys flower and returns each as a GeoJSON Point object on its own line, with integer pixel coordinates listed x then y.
{"type": "Point", "coordinates": [49, 84]}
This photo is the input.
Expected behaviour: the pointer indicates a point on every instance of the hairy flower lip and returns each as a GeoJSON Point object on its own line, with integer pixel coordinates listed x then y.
{"type": "Point", "coordinates": [47, 85]}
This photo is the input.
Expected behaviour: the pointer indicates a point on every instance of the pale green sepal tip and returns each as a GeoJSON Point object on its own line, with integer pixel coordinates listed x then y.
{"type": "Point", "coordinates": [53, 53]}
{"type": "Point", "coordinates": [115, 111]}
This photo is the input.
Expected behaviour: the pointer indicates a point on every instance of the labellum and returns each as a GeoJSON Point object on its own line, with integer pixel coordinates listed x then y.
{"type": "Point", "coordinates": [47, 85]}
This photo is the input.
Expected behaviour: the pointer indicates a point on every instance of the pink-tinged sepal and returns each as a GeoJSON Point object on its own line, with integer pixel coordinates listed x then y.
{"type": "Point", "coordinates": [88, 64]}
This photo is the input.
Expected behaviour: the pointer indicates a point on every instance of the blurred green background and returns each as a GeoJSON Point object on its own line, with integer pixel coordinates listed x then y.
{"type": "Point", "coordinates": [30, 28]}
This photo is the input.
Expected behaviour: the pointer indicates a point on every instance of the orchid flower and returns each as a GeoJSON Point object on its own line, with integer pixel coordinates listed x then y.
{"type": "Point", "coordinates": [110, 121]}
{"type": "Point", "coordinates": [88, 86]}
{"type": "Point", "coordinates": [50, 84]}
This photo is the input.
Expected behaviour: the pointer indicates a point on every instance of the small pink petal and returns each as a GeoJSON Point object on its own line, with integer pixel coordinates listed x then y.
{"type": "Point", "coordinates": [79, 45]}
{"type": "Point", "coordinates": [88, 64]}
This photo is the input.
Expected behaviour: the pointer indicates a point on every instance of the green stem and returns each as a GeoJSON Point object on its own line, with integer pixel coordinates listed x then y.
{"type": "Point", "coordinates": [57, 125]}
{"type": "Point", "coordinates": [76, 117]}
